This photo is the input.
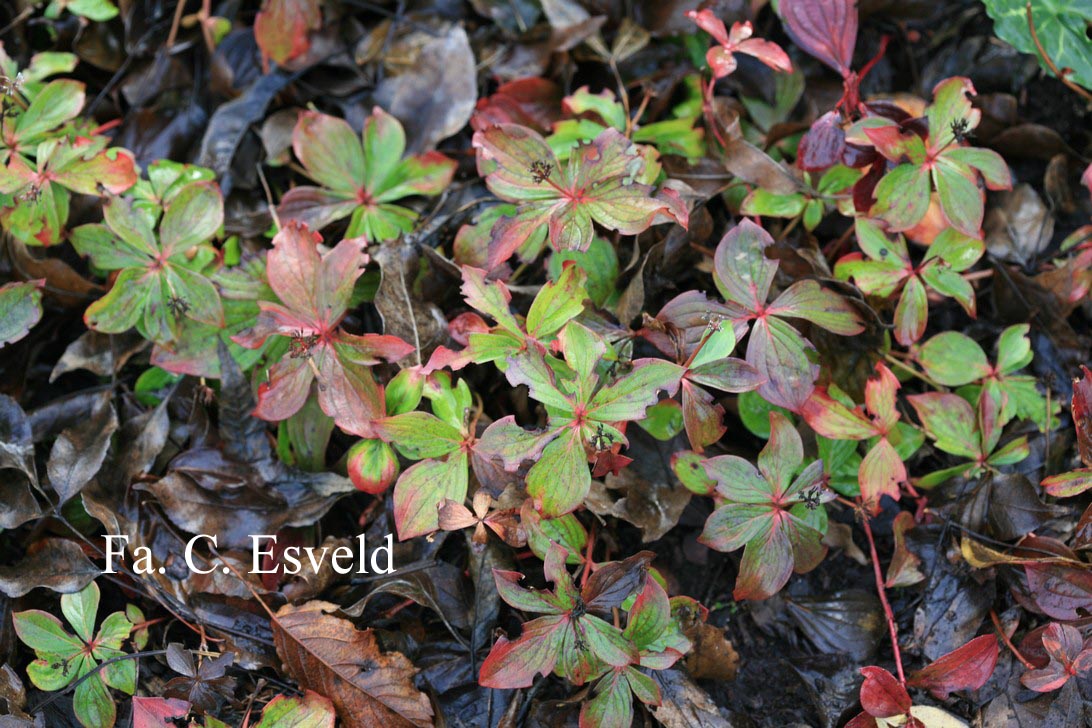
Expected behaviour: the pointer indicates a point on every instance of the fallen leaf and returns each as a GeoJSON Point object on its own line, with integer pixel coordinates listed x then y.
{"type": "Point", "coordinates": [712, 656]}
{"type": "Point", "coordinates": [964, 668]}
{"type": "Point", "coordinates": [79, 451]}
{"type": "Point", "coordinates": [435, 97]}
{"type": "Point", "coordinates": [158, 712]}
{"type": "Point", "coordinates": [329, 655]}
{"type": "Point", "coordinates": [54, 563]}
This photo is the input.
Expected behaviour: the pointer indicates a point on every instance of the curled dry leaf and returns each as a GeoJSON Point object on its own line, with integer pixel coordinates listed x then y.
{"type": "Point", "coordinates": [56, 564]}
{"type": "Point", "coordinates": [329, 655]}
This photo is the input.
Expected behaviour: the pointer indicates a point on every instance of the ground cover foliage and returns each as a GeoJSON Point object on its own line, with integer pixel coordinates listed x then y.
{"type": "Point", "coordinates": [706, 365]}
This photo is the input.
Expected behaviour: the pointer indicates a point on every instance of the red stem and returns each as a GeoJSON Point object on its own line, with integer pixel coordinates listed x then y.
{"type": "Point", "coordinates": [1008, 643]}
{"type": "Point", "coordinates": [892, 628]}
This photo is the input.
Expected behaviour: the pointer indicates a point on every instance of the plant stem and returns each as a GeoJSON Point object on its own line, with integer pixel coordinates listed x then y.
{"type": "Point", "coordinates": [892, 628]}
{"type": "Point", "coordinates": [1008, 643]}
{"type": "Point", "coordinates": [1050, 64]}
{"type": "Point", "coordinates": [911, 370]}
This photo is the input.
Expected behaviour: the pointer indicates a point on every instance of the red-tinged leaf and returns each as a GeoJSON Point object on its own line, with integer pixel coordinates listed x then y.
{"type": "Point", "coordinates": [830, 418]}
{"type": "Point", "coordinates": [960, 199]}
{"type": "Point", "coordinates": [372, 466]}
{"type": "Point", "coordinates": [310, 710]}
{"type": "Point", "coordinates": [822, 307]}
{"type": "Point", "coordinates": [454, 516]}
{"type": "Point", "coordinates": [896, 144]}
{"type": "Point", "coordinates": [822, 147]}
{"type": "Point", "coordinates": [1067, 485]}
{"type": "Point", "coordinates": [965, 668]}
{"type": "Point", "coordinates": [423, 488]}
{"type": "Point", "coordinates": [330, 151]}
{"type": "Point", "coordinates": [111, 170]}
{"type": "Point", "coordinates": [902, 197]}
{"type": "Point", "coordinates": [531, 102]}
{"type": "Point", "coordinates": [780, 354]}
{"type": "Point", "coordinates": [950, 421]}
{"type": "Point", "coordinates": [912, 312]}
{"type": "Point", "coordinates": [1063, 644]}
{"type": "Point", "coordinates": [282, 28]}
{"type": "Point", "coordinates": [826, 30]}
{"type": "Point", "coordinates": [158, 712]}
{"type": "Point", "coordinates": [632, 394]}
{"type": "Point", "coordinates": [742, 271]}
{"type": "Point", "coordinates": [727, 374]}
{"type": "Point", "coordinates": [595, 184]}
{"type": "Point", "coordinates": [515, 664]}
{"type": "Point", "coordinates": [951, 108]}
{"type": "Point", "coordinates": [880, 396]}
{"type": "Point", "coordinates": [58, 102]}
{"type": "Point", "coordinates": [881, 694]}
{"type": "Point", "coordinates": [739, 40]}
{"type": "Point", "coordinates": [881, 472]}
{"type": "Point", "coordinates": [20, 309]}
{"type": "Point", "coordinates": [953, 359]}
{"type": "Point", "coordinates": [560, 480]}
{"type": "Point", "coordinates": [989, 164]}
{"type": "Point", "coordinates": [766, 565]}
{"type": "Point", "coordinates": [703, 418]}
{"type": "Point", "coordinates": [1081, 407]}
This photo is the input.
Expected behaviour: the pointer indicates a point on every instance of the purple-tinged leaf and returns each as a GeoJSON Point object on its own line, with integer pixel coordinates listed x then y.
{"type": "Point", "coordinates": [826, 30]}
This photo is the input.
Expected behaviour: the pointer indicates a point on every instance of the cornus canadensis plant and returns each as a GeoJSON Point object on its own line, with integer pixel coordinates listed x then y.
{"type": "Point", "coordinates": [882, 469]}
{"type": "Point", "coordinates": [63, 657]}
{"type": "Point", "coordinates": [315, 289]}
{"type": "Point", "coordinates": [744, 276]}
{"type": "Point", "coordinates": [773, 512]}
{"type": "Point", "coordinates": [159, 280]}
{"type": "Point", "coordinates": [721, 57]}
{"type": "Point", "coordinates": [886, 269]}
{"type": "Point", "coordinates": [361, 176]}
{"type": "Point", "coordinates": [940, 161]}
{"type": "Point", "coordinates": [574, 638]}
{"type": "Point", "coordinates": [603, 181]}
{"type": "Point", "coordinates": [586, 406]}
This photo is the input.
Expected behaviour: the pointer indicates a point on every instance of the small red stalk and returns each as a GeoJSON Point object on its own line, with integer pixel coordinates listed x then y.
{"type": "Point", "coordinates": [892, 628]}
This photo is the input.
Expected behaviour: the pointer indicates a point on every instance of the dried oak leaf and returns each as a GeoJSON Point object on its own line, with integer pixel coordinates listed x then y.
{"type": "Point", "coordinates": [330, 656]}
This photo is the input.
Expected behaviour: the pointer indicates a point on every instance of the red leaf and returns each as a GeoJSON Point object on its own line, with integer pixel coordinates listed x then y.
{"type": "Point", "coordinates": [965, 668]}
{"type": "Point", "coordinates": [158, 712]}
{"type": "Point", "coordinates": [881, 694]}
{"type": "Point", "coordinates": [282, 27]}
{"type": "Point", "coordinates": [826, 30]}
{"type": "Point", "coordinates": [532, 102]}
{"type": "Point", "coordinates": [1082, 414]}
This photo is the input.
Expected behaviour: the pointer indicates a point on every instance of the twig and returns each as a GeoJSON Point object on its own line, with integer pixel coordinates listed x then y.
{"type": "Point", "coordinates": [175, 23]}
{"type": "Point", "coordinates": [892, 628]}
{"type": "Point", "coordinates": [1061, 75]}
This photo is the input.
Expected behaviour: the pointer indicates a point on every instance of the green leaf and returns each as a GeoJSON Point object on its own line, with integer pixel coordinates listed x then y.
{"type": "Point", "coordinates": [636, 391]}
{"type": "Point", "coordinates": [44, 633]}
{"type": "Point", "coordinates": [310, 710]}
{"type": "Point", "coordinates": [423, 488]}
{"type": "Point", "coordinates": [911, 312]}
{"type": "Point", "coordinates": [960, 199]}
{"type": "Point", "coordinates": [191, 218]}
{"type": "Point", "coordinates": [950, 421]}
{"type": "Point", "coordinates": [419, 435]}
{"type": "Point", "coordinates": [80, 610]}
{"type": "Point", "coordinates": [822, 307]}
{"type": "Point", "coordinates": [770, 204]}
{"type": "Point", "coordinates": [560, 480]}
{"type": "Point", "coordinates": [330, 151]}
{"type": "Point", "coordinates": [953, 359]}
{"type": "Point", "coordinates": [58, 102]}
{"type": "Point", "coordinates": [93, 704]}
{"type": "Point", "coordinates": [754, 411]}
{"type": "Point", "coordinates": [557, 303]}
{"type": "Point", "coordinates": [1062, 27]}
{"type": "Point", "coordinates": [1013, 349]}
{"type": "Point", "coordinates": [663, 420]}
{"type": "Point", "coordinates": [902, 197]}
